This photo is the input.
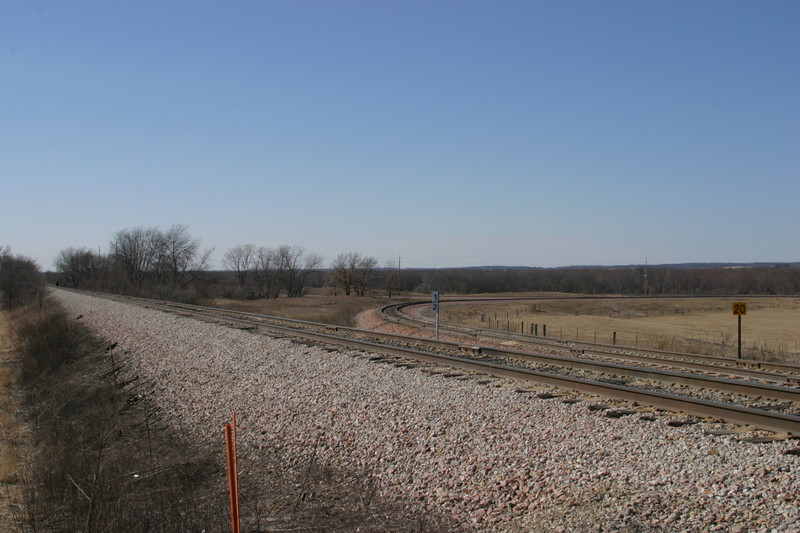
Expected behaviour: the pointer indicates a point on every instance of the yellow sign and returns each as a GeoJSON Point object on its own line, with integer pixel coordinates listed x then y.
{"type": "Point", "coordinates": [739, 308]}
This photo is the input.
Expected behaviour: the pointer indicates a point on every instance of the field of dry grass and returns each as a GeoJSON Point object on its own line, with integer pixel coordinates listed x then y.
{"type": "Point", "coordinates": [12, 430]}
{"type": "Point", "coordinates": [770, 330]}
{"type": "Point", "coordinates": [339, 310]}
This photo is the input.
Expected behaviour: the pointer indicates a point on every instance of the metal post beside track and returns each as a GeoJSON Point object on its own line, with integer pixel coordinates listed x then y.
{"type": "Point", "coordinates": [740, 308]}
{"type": "Point", "coordinates": [436, 310]}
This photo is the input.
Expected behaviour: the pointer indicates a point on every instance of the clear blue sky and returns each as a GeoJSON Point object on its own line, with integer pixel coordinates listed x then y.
{"type": "Point", "coordinates": [453, 133]}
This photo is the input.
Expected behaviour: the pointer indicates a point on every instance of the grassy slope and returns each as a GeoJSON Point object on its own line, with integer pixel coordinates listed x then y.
{"type": "Point", "coordinates": [12, 430]}
{"type": "Point", "coordinates": [104, 458]}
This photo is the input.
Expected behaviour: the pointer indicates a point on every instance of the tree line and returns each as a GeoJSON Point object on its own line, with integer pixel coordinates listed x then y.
{"type": "Point", "coordinates": [166, 263]}
{"type": "Point", "coordinates": [272, 270]}
{"type": "Point", "coordinates": [21, 281]}
{"type": "Point", "coordinates": [266, 272]}
{"type": "Point", "coordinates": [659, 281]}
{"type": "Point", "coordinates": [171, 264]}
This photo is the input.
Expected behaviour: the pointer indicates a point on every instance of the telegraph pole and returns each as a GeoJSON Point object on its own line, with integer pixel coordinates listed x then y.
{"type": "Point", "coordinates": [436, 310]}
{"type": "Point", "coordinates": [645, 276]}
{"type": "Point", "coordinates": [398, 273]}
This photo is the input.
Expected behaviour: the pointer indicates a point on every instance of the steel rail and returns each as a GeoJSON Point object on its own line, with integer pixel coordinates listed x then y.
{"type": "Point", "coordinates": [709, 382]}
{"type": "Point", "coordinates": [740, 367]}
{"type": "Point", "coordinates": [748, 388]}
{"type": "Point", "coordinates": [768, 420]}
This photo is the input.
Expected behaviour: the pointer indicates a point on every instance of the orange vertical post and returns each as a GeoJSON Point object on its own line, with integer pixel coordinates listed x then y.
{"type": "Point", "coordinates": [235, 463]}
{"type": "Point", "coordinates": [230, 440]}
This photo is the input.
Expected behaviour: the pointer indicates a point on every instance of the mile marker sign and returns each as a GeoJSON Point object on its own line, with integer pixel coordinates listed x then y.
{"type": "Point", "coordinates": [739, 309]}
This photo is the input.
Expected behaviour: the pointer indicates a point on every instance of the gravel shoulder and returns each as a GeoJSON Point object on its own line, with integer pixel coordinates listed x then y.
{"type": "Point", "coordinates": [480, 453]}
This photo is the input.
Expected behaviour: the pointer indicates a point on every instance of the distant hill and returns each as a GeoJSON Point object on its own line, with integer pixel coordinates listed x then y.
{"type": "Point", "coordinates": [685, 266]}
{"type": "Point", "coordinates": [677, 266]}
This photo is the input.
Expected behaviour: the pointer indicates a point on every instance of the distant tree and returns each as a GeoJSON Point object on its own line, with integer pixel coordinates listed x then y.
{"type": "Point", "coordinates": [81, 267]}
{"type": "Point", "coordinates": [343, 271]}
{"type": "Point", "coordinates": [295, 267]}
{"type": "Point", "coordinates": [266, 272]}
{"type": "Point", "coordinates": [21, 281]}
{"type": "Point", "coordinates": [170, 258]}
{"type": "Point", "coordinates": [239, 260]}
{"type": "Point", "coordinates": [391, 278]}
{"type": "Point", "coordinates": [178, 255]}
{"type": "Point", "coordinates": [365, 274]}
{"type": "Point", "coordinates": [330, 283]}
{"type": "Point", "coordinates": [353, 272]}
{"type": "Point", "coordinates": [134, 251]}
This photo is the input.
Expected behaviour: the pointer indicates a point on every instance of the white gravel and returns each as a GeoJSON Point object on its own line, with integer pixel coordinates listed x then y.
{"type": "Point", "coordinates": [489, 456]}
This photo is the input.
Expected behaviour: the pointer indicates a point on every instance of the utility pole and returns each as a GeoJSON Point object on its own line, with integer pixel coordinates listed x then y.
{"type": "Point", "coordinates": [645, 276]}
{"type": "Point", "coordinates": [398, 273]}
{"type": "Point", "coordinates": [436, 310]}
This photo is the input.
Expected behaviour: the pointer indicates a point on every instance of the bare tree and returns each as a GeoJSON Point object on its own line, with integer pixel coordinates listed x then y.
{"type": "Point", "coordinates": [178, 255]}
{"type": "Point", "coordinates": [21, 281]}
{"type": "Point", "coordinates": [391, 278]}
{"type": "Point", "coordinates": [295, 267]}
{"type": "Point", "coordinates": [81, 267]}
{"type": "Point", "coordinates": [353, 273]}
{"type": "Point", "coordinates": [134, 251]}
{"type": "Point", "coordinates": [364, 274]}
{"type": "Point", "coordinates": [171, 257]}
{"type": "Point", "coordinates": [266, 272]}
{"type": "Point", "coordinates": [198, 265]}
{"type": "Point", "coordinates": [240, 259]}
{"type": "Point", "coordinates": [343, 271]}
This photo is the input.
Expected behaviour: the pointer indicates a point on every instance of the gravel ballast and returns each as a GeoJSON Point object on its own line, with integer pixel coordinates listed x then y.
{"type": "Point", "coordinates": [483, 453]}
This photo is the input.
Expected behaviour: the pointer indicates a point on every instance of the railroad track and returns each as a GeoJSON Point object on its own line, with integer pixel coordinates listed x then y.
{"type": "Point", "coordinates": [769, 371]}
{"type": "Point", "coordinates": [498, 362]}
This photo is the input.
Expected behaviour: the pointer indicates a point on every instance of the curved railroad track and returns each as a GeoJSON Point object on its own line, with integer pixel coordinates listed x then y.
{"type": "Point", "coordinates": [744, 405]}
{"type": "Point", "coordinates": [771, 371]}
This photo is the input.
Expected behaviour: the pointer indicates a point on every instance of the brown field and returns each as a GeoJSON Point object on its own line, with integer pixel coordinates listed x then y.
{"type": "Point", "coordinates": [338, 310]}
{"type": "Point", "coordinates": [770, 330]}
{"type": "Point", "coordinates": [12, 433]}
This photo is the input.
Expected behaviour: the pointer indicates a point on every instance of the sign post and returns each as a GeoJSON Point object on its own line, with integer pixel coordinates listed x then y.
{"type": "Point", "coordinates": [739, 309]}
{"type": "Point", "coordinates": [436, 310]}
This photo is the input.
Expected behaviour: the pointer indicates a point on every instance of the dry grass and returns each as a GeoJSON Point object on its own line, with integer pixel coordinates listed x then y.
{"type": "Point", "coordinates": [76, 469]}
{"type": "Point", "coordinates": [106, 458]}
{"type": "Point", "coordinates": [12, 430]}
{"type": "Point", "coordinates": [338, 310]}
{"type": "Point", "coordinates": [701, 325]}
{"type": "Point", "coordinates": [697, 325]}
